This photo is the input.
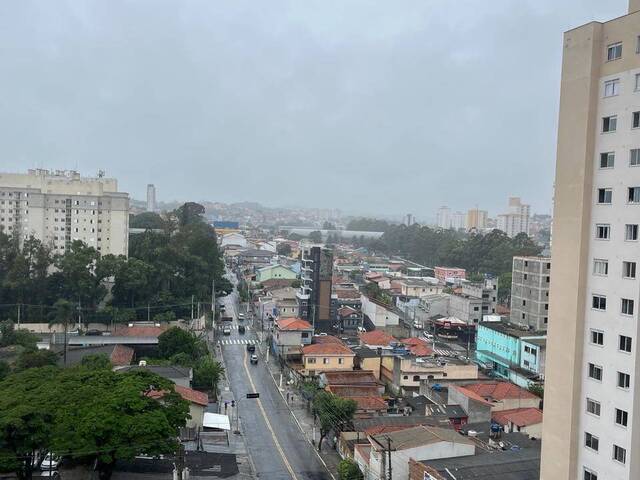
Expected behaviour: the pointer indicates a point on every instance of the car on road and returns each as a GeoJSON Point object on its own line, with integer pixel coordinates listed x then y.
{"type": "Point", "coordinates": [427, 335]}
{"type": "Point", "coordinates": [254, 359]}
{"type": "Point", "coordinates": [222, 308]}
{"type": "Point", "coordinates": [241, 329]}
{"type": "Point", "coordinates": [49, 462]}
{"type": "Point", "coordinates": [226, 331]}
{"type": "Point", "coordinates": [417, 325]}
{"type": "Point", "coordinates": [251, 347]}
{"type": "Point", "coordinates": [240, 317]}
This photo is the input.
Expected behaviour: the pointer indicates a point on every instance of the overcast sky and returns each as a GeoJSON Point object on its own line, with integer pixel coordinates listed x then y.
{"type": "Point", "coordinates": [368, 106]}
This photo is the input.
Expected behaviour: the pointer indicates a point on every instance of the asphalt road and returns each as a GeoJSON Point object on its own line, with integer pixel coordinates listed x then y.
{"type": "Point", "coordinates": [277, 448]}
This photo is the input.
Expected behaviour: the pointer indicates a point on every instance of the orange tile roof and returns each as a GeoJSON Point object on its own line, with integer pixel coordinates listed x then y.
{"type": "Point", "coordinates": [369, 403]}
{"type": "Point", "coordinates": [193, 396]}
{"type": "Point", "coordinates": [420, 350]}
{"type": "Point", "coordinates": [346, 311]}
{"type": "Point", "coordinates": [121, 356]}
{"type": "Point", "coordinates": [500, 391]}
{"type": "Point", "coordinates": [379, 429]}
{"type": "Point", "coordinates": [350, 377]}
{"type": "Point", "coordinates": [293, 323]}
{"type": "Point", "coordinates": [413, 341]}
{"type": "Point", "coordinates": [376, 337]}
{"type": "Point", "coordinates": [327, 349]}
{"type": "Point", "coordinates": [521, 417]}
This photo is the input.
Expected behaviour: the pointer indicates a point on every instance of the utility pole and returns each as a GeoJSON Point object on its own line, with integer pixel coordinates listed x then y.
{"type": "Point", "coordinates": [180, 461]}
{"type": "Point", "coordinates": [390, 477]}
{"type": "Point", "coordinates": [19, 305]}
{"type": "Point", "coordinates": [148, 312]}
{"type": "Point", "coordinates": [192, 308]}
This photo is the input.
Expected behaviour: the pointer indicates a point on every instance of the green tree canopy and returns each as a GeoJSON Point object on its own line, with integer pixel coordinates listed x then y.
{"type": "Point", "coordinates": [148, 220]}
{"type": "Point", "coordinates": [283, 249]}
{"type": "Point", "coordinates": [332, 413]}
{"type": "Point", "coordinates": [175, 340]}
{"type": "Point", "coordinates": [315, 236]}
{"type": "Point", "coordinates": [348, 470]}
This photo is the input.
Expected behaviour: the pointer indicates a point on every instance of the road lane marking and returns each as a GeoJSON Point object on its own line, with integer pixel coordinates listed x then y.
{"type": "Point", "coordinates": [266, 419]}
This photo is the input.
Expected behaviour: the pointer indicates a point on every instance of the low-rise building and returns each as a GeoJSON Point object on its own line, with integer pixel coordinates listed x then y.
{"type": "Point", "coordinates": [415, 287]}
{"type": "Point", "coordinates": [377, 339]}
{"type": "Point", "coordinates": [320, 357]}
{"type": "Point", "coordinates": [450, 274]}
{"type": "Point", "coordinates": [498, 395]}
{"type": "Point", "coordinates": [272, 272]}
{"type": "Point", "coordinates": [524, 420]}
{"type": "Point", "coordinates": [290, 335]}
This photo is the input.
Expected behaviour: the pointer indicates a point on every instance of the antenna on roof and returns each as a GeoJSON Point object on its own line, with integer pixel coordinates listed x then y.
{"type": "Point", "coordinates": [101, 173]}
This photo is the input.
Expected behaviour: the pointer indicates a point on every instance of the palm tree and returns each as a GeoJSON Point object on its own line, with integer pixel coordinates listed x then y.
{"type": "Point", "coordinates": [62, 312]}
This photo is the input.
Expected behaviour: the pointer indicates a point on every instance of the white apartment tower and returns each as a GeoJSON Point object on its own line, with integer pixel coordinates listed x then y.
{"type": "Point", "coordinates": [151, 198]}
{"type": "Point", "coordinates": [592, 396]}
{"type": "Point", "coordinates": [443, 217]}
{"type": "Point", "coordinates": [516, 220]}
{"type": "Point", "coordinates": [60, 207]}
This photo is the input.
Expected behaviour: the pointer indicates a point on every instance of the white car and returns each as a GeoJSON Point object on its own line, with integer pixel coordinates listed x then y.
{"type": "Point", "coordinates": [427, 335]}
{"type": "Point", "coordinates": [241, 316]}
{"type": "Point", "coordinates": [49, 462]}
{"type": "Point", "coordinates": [226, 331]}
{"type": "Point", "coordinates": [417, 325]}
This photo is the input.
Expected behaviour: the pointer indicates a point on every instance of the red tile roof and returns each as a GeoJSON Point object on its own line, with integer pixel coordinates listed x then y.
{"type": "Point", "coordinates": [354, 390]}
{"type": "Point", "coordinates": [121, 356]}
{"type": "Point", "coordinates": [193, 396]}
{"type": "Point", "coordinates": [471, 394]}
{"type": "Point", "coordinates": [376, 337]}
{"type": "Point", "coordinates": [293, 324]}
{"type": "Point", "coordinates": [499, 391]}
{"type": "Point", "coordinates": [137, 331]}
{"type": "Point", "coordinates": [521, 417]}
{"type": "Point", "coordinates": [379, 429]}
{"type": "Point", "coordinates": [346, 311]}
{"type": "Point", "coordinates": [327, 349]}
{"type": "Point", "coordinates": [350, 377]}
{"type": "Point", "coordinates": [421, 350]}
{"type": "Point", "coordinates": [327, 339]}
{"type": "Point", "coordinates": [369, 403]}
{"type": "Point", "coordinates": [413, 341]}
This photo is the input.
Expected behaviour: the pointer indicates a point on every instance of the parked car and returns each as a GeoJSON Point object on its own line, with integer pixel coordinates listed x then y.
{"type": "Point", "coordinates": [254, 359]}
{"type": "Point", "coordinates": [93, 331]}
{"type": "Point", "coordinates": [241, 329]}
{"type": "Point", "coordinates": [251, 347]}
{"type": "Point", "coordinates": [417, 324]}
{"type": "Point", "coordinates": [226, 331]}
{"type": "Point", "coordinates": [427, 335]}
{"type": "Point", "coordinates": [49, 462]}
{"type": "Point", "coordinates": [240, 317]}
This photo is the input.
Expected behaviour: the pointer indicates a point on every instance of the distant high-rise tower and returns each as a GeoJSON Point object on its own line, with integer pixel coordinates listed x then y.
{"type": "Point", "coordinates": [516, 220]}
{"type": "Point", "coordinates": [443, 218]}
{"type": "Point", "coordinates": [151, 198]}
{"type": "Point", "coordinates": [476, 219]}
{"type": "Point", "coordinates": [591, 427]}
{"type": "Point", "coordinates": [410, 219]}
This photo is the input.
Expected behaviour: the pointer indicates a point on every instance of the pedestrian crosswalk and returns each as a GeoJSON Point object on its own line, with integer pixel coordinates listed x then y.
{"type": "Point", "coordinates": [444, 353]}
{"type": "Point", "coordinates": [237, 341]}
{"type": "Point", "coordinates": [232, 326]}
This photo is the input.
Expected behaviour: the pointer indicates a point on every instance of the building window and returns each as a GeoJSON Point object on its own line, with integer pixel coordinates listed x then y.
{"type": "Point", "coordinates": [614, 51]}
{"type": "Point", "coordinates": [595, 371]}
{"type": "Point", "coordinates": [311, 360]}
{"type": "Point", "coordinates": [629, 269]}
{"type": "Point", "coordinates": [619, 454]}
{"type": "Point", "coordinates": [607, 159]}
{"type": "Point", "coordinates": [340, 361]}
{"type": "Point", "coordinates": [637, 85]}
{"type": "Point", "coordinates": [593, 407]}
{"type": "Point", "coordinates": [597, 337]}
{"type": "Point", "coordinates": [609, 124]}
{"type": "Point", "coordinates": [611, 87]}
{"type": "Point", "coordinates": [621, 417]}
{"type": "Point", "coordinates": [590, 475]}
{"type": "Point", "coordinates": [635, 120]}
{"type": "Point", "coordinates": [631, 232]}
{"type": "Point", "coordinates": [416, 378]}
{"type": "Point", "coordinates": [627, 306]}
{"type": "Point", "coordinates": [604, 195]}
{"type": "Point", "coordinates": [602, 231]}
{"type": "Point", "coordinates": [325, 361]}
{"type": "Point", "coordinates": [591, 441]}
{"type": "Point", "coordinates": [624, 380]}
{"type": "Point", "coordinates": [624, 343]}
{"type": "Point", "coordinates": [600, 266]}
{"type": "Point", "coordinates": [599, 302]}
{"type": "Point", "coordinates": [634, 195]}
{"type": "Point", "coordinates": [634, 157]}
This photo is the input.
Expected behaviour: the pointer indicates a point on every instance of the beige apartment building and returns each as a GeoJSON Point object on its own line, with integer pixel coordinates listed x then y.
{"type": "Point", "coordinates": [61, 206]}
{"type": "Point", "coordinates": [591, 424]}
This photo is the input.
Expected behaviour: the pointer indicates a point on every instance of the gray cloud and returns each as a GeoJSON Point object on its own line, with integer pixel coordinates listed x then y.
{"type": "Point", "coordinates": [361, 105]}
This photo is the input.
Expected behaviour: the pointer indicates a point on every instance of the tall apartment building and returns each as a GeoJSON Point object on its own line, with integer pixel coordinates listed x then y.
{"type": "Point", "coordinates": [60, 207]}
{"type": "Point", "coordinates": [443, 217]}
{"type": "Point", "coordinates": [458, 221]}
{"type": "Point", "coordinates": [477, 219]}
{"type": "Point", "coordinates": [151, 198]}
{"type": "Point", "coordinates": [530, 282]}
{"type": "Point", "coordinates": [314, 295]}
{"type": "Point", "coordinates": [592, 405]}
{"type": "Point", "coordinates": [516, 220]}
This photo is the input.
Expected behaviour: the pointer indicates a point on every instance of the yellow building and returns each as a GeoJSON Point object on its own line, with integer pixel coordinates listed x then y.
{"type": "Point", "coordinates": [321, 357]}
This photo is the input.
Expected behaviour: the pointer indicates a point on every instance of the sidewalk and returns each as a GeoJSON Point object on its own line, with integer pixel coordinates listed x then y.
{"type": "Point", "coordinates": [302, 416]}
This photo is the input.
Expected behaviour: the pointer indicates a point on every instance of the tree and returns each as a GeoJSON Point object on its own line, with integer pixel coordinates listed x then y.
{"type": "Point", "coordinates": [368, 225]}
{"type": "Point", "coordinates": [96, 361]}
{"type": "Point", "coordinates": [328, 226]}
{"type": "Point", "coordinates": [283, 249]}
{"type": "Point", "coordinates": [34, 359]}
{"type": "Point", "coordinates": [537, 389]}
{"type": "Point", "coordinates": [504, 287]}
{"type": "Point", "coordinates": [315, 236]}
{"type": "Point", "coordinates": [332, 413]}
{"type": "Point", "coordinates": [348, 470]}
{"type": "Point", "coordinates": [10, 336]}
{"type": "Point", "coordinates": [175, 340]}
{"type": "Point", "coordinates": [61, 315]}
{"type": "Point", "coordinates": [207, 373]}
{"type": "Point", "coordinates": [295, 237]}
{"type": "Point", "coordinates": [5, 369]}
{"type": "Point", "coordinates": [148, 220]}
{"type": "Point", "coordinates": [106, 416]}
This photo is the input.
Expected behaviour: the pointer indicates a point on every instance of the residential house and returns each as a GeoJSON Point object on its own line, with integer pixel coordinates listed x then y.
{"type": "Point", "coordinates": [525, 420]}
{"type": "Point", "coordinates": [368, 399]}
{"type": "Point", "coordinates": [367, 359]}
{"type": "Point", "coordinates": [255, 258]}
{"type": "Point", "coordinates": [497, 396]}
{"type": "Point", "coordinates": [349, 378]}
{"type": "Point", "coordinates": [382, 316]}
{"type": "Point", "coordinates": [489, 463]}
{"type": "Point", "coordinates": [290, 335]}
{"type": "Point", "coordinates": [319, 357]}
{"type": "Point", "coordinates": [449, 274]}
{"type": "Point", "coordinates": [233, 241]}
{"type": "Point", "coordinates": [181, 376]}
{"type": "Point", "coordinates": [413, 287]}
{"type": "Point", "coordinates": [377, 339]}
{"type": "Point", "coordinates": [275, 272]}
{"type": "Point", "coordinates": [280, 303]}
{"type": "Point", "coordinates": [349, 318]}
{"type": "Point", "coordinates": [424, 442]}
{"type": "Point", "coordinates": [118, 355]}
{"type": "Point", "coordinates": [198, 402]}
